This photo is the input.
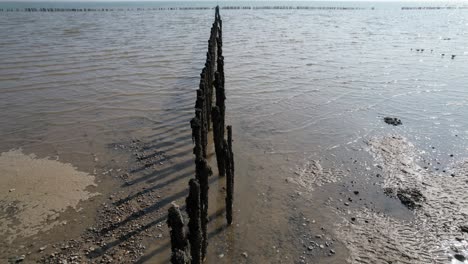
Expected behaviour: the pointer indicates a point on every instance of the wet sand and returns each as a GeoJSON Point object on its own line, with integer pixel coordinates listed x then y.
{"type": "Point", "coordinates": [35, 192]}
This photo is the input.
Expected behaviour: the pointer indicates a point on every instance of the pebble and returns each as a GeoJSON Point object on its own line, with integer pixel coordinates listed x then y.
{"type": "Point", "coordinates": [464, 229]}
{"type": "Point", "coordinates": [460, 257]}
{"type": "Point", "coordinates": [20, 258]}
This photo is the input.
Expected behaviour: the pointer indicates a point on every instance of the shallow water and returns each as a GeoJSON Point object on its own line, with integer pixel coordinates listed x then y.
{"type": "Point", "coordinates": [302, 86]}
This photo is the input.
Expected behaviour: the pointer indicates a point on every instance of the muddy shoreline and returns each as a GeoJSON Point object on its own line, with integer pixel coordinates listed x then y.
{"type": "Point", "coordinates": [130, 227]}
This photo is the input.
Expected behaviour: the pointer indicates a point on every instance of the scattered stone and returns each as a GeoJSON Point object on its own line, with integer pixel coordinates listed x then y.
{"type": "Point", "coordinates": [393, 121]}
{"type": "Point", "coordinates": [464, 228]}
{"type": "Point", "coordinates": [244, 254]}
{"type": "Point", "coordinates": [459, 257]}
{"type": "Point", "coordinates": [411, 197]}
{"type": "Point", "coordinates": [17, 259]}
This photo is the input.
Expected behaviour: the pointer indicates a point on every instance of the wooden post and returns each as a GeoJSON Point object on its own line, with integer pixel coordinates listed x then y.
{"type": "Point", "coordinates": [202, 172]}
{"type": "Point", "coordinates": [218, 137]}
{"type": "Point", "coordinates": [229, 162]}
{"type": "Point", "coordinates": [179, 243]}
{"type": "Point", "coordinates": [229, 141]}
{"type": "Point", "coordinates": [194, 212]}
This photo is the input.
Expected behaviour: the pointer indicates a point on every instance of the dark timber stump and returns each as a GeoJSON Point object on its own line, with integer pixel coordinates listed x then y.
{"type": "Point", "coordinates": [179, 243]}
{"type": "Point", "coordinates": [194, 225]}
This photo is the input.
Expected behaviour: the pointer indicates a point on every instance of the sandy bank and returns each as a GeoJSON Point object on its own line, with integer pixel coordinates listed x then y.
{"type": "Point", "coordinates": [33, 192]}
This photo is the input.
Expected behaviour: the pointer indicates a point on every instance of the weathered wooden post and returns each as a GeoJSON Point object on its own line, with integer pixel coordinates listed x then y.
{"type": "Point", "coordinates": [229, 141]}
{"type": "Point", "coordinates": [202, 172]}
{"type": "Point", "coordinates": [194, 212]}
{"type": "Point", "coordinates": [229, 162]}
{"type": "Point", "coordinates": [179, 243]}
{"type": "Point", "coordinates": [195, 123]}
{"type": "Point", "coordinates": [218, 137]}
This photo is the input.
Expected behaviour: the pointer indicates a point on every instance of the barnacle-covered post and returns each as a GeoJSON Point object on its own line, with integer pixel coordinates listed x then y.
{"type": "Point", "coordinates": [179, 244]}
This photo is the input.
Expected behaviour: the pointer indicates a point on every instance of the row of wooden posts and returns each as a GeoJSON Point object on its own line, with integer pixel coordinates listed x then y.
{"type": "Point", "coordinates": [55, 9]}
{"type": "Point", "coordinates": [210, 109]}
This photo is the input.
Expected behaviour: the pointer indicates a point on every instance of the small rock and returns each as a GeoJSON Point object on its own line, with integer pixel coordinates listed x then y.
{"type": "Point", "coordinates": [310, 247]}
{"type": "Point", "coordinates": [221, 255]}
{"type": "Point", "coordinates": [347, 204]}
{"type": "Point", "coordinates": [464, 229]}
{"type": "Point", "coordinates": [11, 190]}
{"type": "Point", "coordinates": [356, 192]}
{"type": "Point", "coordinates": [17, 259]}
{"type": "Point", "coordinates": [332, 251]}
{"type": "Point", "coordinates": [459, 257]}
{"type": "Point", "coordinates": [42, 248]}
{"type": "Point", "coordinates": [393, 121]}
{"type": "Point", "coordinates": [319, 236]}
{"type": "Point", "coordinates": [353, 219]}
{"type": "Point", "coordinates": [244, 254]}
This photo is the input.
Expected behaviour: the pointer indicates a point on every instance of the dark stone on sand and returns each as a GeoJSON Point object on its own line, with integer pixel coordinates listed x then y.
{"type": "Point", "coordinates": [392, 121]}
{"type": "Point", "coordinates": [464, 228]}
{"type": "Point", "coordinates": [459, 257]}
{"type": "Point", "coordinates": [411, 197]}
{"type": "Point", "coordinates": [356, 192]}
